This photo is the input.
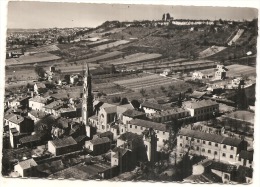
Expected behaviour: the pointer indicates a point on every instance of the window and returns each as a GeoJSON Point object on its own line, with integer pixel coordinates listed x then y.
{"type": "Point", "coordinates": [122, 130]}
{"type": "Point", "coordinates": [231, 156]}
{"type": "Point", "coordinates": [180, 137]}
{"type": "Point", "coordinates": [136, 127]}
{"type": "Point", "coordinates": [239, 159]}
{"type": "Point", "coordinates": [187, 138]}
{"type": "Point", "coordinates": [180, 144]}
{"type": "Point", "coordinates": [204, 142]}
{"type": "Point", "coordinates": [215, 153]}
{"type": "Point", "coordinates": [198, 141]}
{"type": "Point", "coordinates": [250, 161]}
{"type": "Point", "coordinates": [203, 150]}
{"type": "Point", "coordinates": [130, 126]}
{"type": "Point", "coordinates": [224, 146]}
{"type": "Point", "coordinates": [141, 128]}
{"type": "Point", "coordinates": [198, 148]}
{"type": "Point", "coordinates": [192, 148]}
{"type": "Point", "coordinates": [224, 154]}
{"type": "Point", "coordinates": [209, 151]}
{"type": "Point", "coordinates": [209, 143]}
{"type": "Point", "coordinates": [232, 148]}
{"type": "Point", "coordinates": [216, 145]}
{"type": "Point", "coordinates": [163, 133]}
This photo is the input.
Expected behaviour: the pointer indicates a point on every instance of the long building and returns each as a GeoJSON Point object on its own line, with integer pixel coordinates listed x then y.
{"type": "Point", "coordinates": [213, 146]}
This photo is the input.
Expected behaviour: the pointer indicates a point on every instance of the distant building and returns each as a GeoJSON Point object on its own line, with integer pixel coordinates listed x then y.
{"type": "Point", "coordinates": [39, 88]}
{"type": "Point", "coordinates": [150, 108]}
{"type": "Point", "coordinates": [245, 158]}
{"type": "Point", "coordinates": [25, 168]}
{"type": "Point", "coordinates": [130, 114]}
{"type": "Point", "coordinates": [198, 75]}
{"type": "Point", "coordinates": [62, 146]}
{"type": "Point", "coordinates": [20, 123]}
{"type": "Point", "coordinates": [37, 103]}
{"type": "Point", "coordinates": [166, 72]}
{"type": "Point", "coordinates": [123, 159]}
{"type": "Point", "coordinates": [221, 72]}
{"type": "Point", "coordinates": [202, 110]}
{"type": "Point", "coordinates": [74, 79]}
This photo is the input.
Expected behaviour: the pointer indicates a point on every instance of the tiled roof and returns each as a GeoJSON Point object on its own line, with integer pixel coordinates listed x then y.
{"type": "Point", "coordinates": [210, 137]}
{"type": "Point", "coordinates": [149, 124]}
{"type": "Point", "coordinates": [133, 113]}
{"type": "Point", "coordinates": [128, 136]}
{"type": "Point", "coordinates": [38, 114]}
{"type": "Point", "coordinates": [168, 112]}
{"type": "Point", "coordinates": [100, 140]}
{"type": "Point", "coordinates": [245, 171]}
{"type": "Point", "coordinates": [208, 177]}
{"type": "Point", "coordinates": [200, 104]}
{"type": "Point", "coordinates": [39, 99]}
{"type": "Point", "coordinates": [223, 167]}
{"type": "Point", "coordinates": [17, 119]}
{"type": "Point", "coordinates": [27, 163]}
{"type": "Point", "coordinates": [40, 85]}
{"type": "Point", "coordinates": [197, 94]}
{"type": "Point", "coordinates": [120, 150]}
{"type": "Point", "coordinates": [54, 105]}
{"type": "Point", "coordinates": [152, 105]}
{"type": "Point", "coordinates": [64, 142]}
{"type": "Point", "coordinates": [248, 155]}
{"type": "Point", "coordinates": [31, 138]}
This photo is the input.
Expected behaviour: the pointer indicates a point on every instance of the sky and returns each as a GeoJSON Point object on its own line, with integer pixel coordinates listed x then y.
{"type": "Point", "coordinates": [56, 14]}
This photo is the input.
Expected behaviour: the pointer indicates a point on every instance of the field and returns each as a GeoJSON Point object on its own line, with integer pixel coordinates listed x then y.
{"type": "Point", "coordinates": [236, 37]}
{"type": "Point", "coordinates": [137, 57]}
{"type": "Point", "coordinates": [43, 49]}
{"type": "Point", "coordinates": [237, 70]}
{"type": "Point", "coordinates": [30, 59]}
{"type": "Point", "coordinates": [110, 45]}
{"type": "Point", "coordinates": [145, 82]}
{"type": "Point", "coordinates": [211, 51]}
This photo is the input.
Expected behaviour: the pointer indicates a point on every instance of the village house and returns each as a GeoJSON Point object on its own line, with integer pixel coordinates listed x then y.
{"type": "Point", "coordinates": [150, 108]}
{"type": "Point", "coordinates": [62, 146]}
{"type": "Point", "coordinates": [202, 110]}
{"type": "Point", "coordinates": [221, 72]}
{"type": "Point", "coordinates": [20, 123]}
{"type": "Point", "coordinates": [39, 88]}
{"type": "Point", "coordinates": [245, 158]}
{"type": "Point", "coordinates": [213, 146]}
{"type": "Point", "coordinates": [138, 126]}
{"type": "Point", "coordinates": [37, 103]}
{"type": "Point", "coordinates": [53, 107]}
{"type": "Point", "coordinates": [130, 114]}
{"type": "Point", "coordinates": [123, 159]}
{"type": "Point", "coordinates": [36, 115]}
{"type": "Point", "coordinates": [98, 146]}
{"type": "Point", "coordinates": [25, 168]}
{"type": "Point", "coordinates": [176, 114]}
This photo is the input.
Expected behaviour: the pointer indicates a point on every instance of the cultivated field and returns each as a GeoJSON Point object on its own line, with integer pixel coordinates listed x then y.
{"type": "Point", "coordinates": [145, 82]}
{"type": "Point", "coordinates": [43, 49]}
{"type": "Point", "coordinates": [35, 58]}
{"type": "Point", "coordinates": [211, 51]}
{"type": "Point", "coordinates": [110, 45]}
{"type": "Point", "coordinates": [236, 37]}
{"type": "Point", "coordinates": [137, 57]}
{"type": "Point", "coordinates": [236, 70]}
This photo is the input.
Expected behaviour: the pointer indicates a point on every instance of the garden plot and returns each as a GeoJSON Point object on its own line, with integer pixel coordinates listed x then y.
{"type": "Point", "coordinates": [101, 57]}
{"type": "Point", "coordinates": [43, 49]}
{"type": "Point", "coordinates": [110, 45]}
{"type": "Point", "coordinates": [145, 82]}
{"type": "Point", "coordinates": [236, 37]}
{"type": "Point", "coordinates": [137, 57]}
{"type": "Point", "coordinates": [211, 51]}
{"type": "Point", "coordinates": [35, 58]}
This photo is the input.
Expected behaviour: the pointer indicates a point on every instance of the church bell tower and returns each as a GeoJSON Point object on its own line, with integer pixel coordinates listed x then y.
{"type": "Point", "coordinates": [87, 98]}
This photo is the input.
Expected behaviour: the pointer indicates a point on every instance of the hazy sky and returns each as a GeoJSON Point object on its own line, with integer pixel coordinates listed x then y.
{"type": "Point", "coordinates": [50, 14]}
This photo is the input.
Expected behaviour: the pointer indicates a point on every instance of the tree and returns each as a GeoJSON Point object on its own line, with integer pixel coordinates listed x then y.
{"type": "Point", "coordinates": [241, 98]}
{"type": "Point", "coordinates": [142, 91]}
{"type": "Point", "coordinates": [39, 71]}
{"type": "Point", "coordinates": [180, 100]}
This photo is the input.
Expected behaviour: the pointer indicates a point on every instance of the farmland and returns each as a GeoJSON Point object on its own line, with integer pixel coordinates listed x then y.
{"type": "Point", "coordinates": [30, 59]}
{"type": "Point", "coordinates": [137, 57]}
{"type": "Point", "coordinates": [110, 45]}
{"type": "Point", "coordinates": [43, 49]}
{"type": "Point", "coordinates": [211, 51]}
{"type": "Point", "coordinates": [145, 82]}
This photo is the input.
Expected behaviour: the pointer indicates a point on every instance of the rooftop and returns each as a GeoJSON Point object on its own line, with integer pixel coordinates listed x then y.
{"type": "Point", "coordinates": [210, 137]}
{"type": "Point", "coordinates": [100, 140]}
{"type": "Point", "coordinates": [64, 142]}
{"type": "Point", "coordinates": [54, 105]}
{"type": "Point", "coordinates": [200, 104]}
{"type": "Point", "coordinates": [243, 116]}
{"type": "Point", "coordinates": [39, 99]}
{"type": "Point", "coordinates": [133, 113]}
{"type": "Point", "coordinates": [247, 155]}
{"type": "Point", "coordinates": [149, 124]}
{"type": "Point", "coordinates": [27, 163]}
{"type": "Point", "coordinates": [15, 118]}
{"type": "Point", "coordinates": [152, 105]}
{"type": "Point", "coordinates": [40, 85]}
{"type": "Point", "coordinates": [168, 112]}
